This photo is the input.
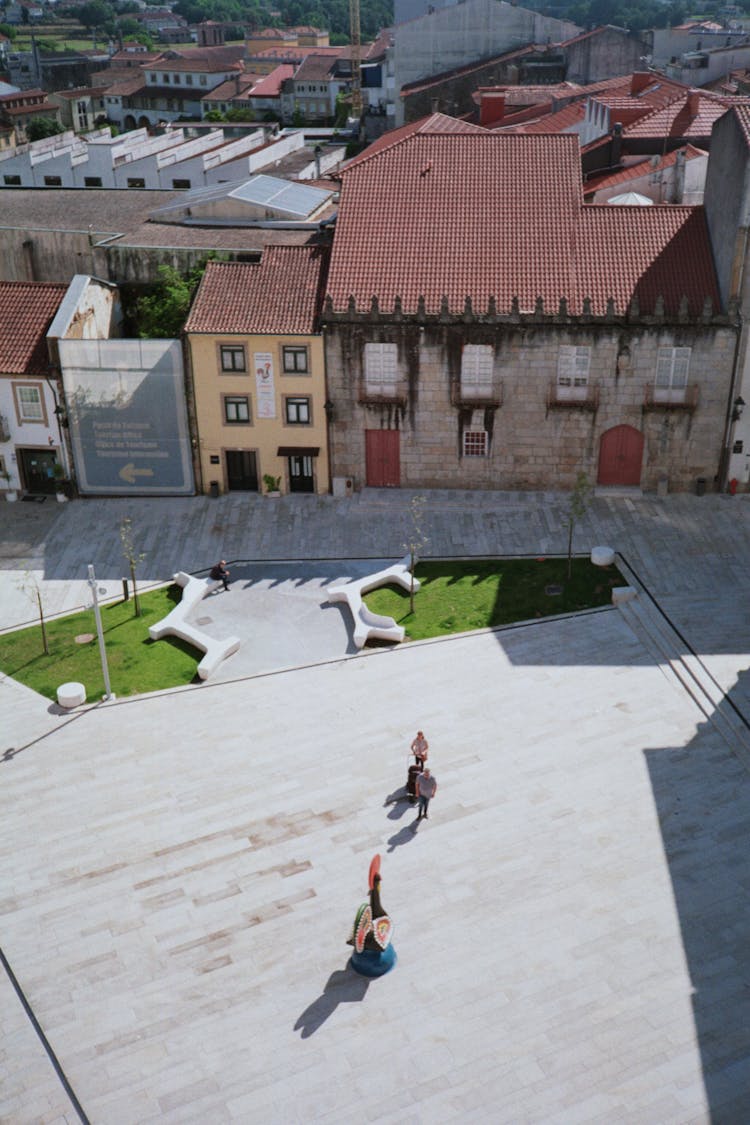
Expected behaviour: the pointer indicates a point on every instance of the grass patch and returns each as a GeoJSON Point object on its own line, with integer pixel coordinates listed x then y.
{"type": "Point", "coordinates": [459, 596]}
{"type": "Point", "coordinates": [136, 663]}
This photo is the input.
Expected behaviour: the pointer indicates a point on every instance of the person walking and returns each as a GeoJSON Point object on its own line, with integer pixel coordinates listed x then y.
{"type": "Point", "coordinates": [219, 573]}
{"type": "Point", "coordinates": [420, 748]}
{"type": "Point", "coordinates": [426, 790]}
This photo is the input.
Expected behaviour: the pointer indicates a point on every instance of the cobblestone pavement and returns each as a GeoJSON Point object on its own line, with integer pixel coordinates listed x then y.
{"type": "Point", "coordinates": [180, 870]}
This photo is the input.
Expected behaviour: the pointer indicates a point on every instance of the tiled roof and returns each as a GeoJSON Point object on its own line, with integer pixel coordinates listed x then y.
{"type": "Point", "coordinates": [279, 294]}
{"type": "Point", "coordinates": [498, 215]}
{"type": "Point", "coordinates": [433, 124]}
{"type": "Point", "coordinates": [692, 116]}
{"type": "Point", "coordinates": [200, 59]}
{"type": "Point", "coordinates": [81, 92]}
{"type": "Point", "coordinates": [269, 85]}
{"type": "Point", "coordinates": [560, 122]}
{"type": "Point", "coordinates": [315, 68]}
{"type": "Point", "coordinates": [26, 312]}
{"type": "Point", "coordinates": [644, 252]}
{"type": "Point", "coordinates": [742, 113]}
{"type": "Point", "coordinates": [479, 214]}
{"type": "Point", "coordinates": [642, 168]}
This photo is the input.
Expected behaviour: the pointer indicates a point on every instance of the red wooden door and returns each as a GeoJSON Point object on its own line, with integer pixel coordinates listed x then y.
{"type": "Point", "coordinates": [382, 458]}
{"type": "Point", "coordinates": [620, 456]}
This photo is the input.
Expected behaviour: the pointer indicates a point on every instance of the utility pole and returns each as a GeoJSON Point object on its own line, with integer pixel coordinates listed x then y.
{"type": "Point", "coordinates": [100, 633]}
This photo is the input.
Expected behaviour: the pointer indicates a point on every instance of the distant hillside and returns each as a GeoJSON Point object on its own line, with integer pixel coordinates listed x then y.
{"type": "Point", "coordinates": [330, 14]}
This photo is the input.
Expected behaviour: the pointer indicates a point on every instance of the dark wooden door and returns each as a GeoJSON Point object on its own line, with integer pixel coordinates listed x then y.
{"type": "Point", "coordinates": [38, 470]}
{"type": "Point", "coordinates": [382, 458]}
{"type": "Point", "coordinates": [301, 474]}
{"type": "Point", "coordinates": [242, 471]}
{"type": "Point", "coordinates": [620, 456]}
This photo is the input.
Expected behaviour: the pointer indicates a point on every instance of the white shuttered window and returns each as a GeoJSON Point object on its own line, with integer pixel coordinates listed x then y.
{"type": "Point", "coordinates": [477, 364]}
{"type": "Point", "coordinates": [381, 369]}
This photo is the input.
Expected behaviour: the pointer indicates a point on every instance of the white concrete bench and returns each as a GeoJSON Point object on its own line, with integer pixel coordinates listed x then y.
{"type": "Point", "coordinates": [366, 623]}
{"type": "Point", "coordinates": [176, 624]}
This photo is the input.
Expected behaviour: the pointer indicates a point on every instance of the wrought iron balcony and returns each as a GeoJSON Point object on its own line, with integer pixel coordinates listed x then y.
{"type": "Point", "coordinates": [572, 398]}
{"type": "Point", "coordinates": [671, 398]}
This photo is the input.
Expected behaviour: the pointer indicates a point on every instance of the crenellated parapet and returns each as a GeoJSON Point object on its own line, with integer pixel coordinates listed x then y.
{"type": "Point", "coordinates": [635, 314]}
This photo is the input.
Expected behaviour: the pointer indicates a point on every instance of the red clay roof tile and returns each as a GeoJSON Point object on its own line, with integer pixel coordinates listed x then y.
{"type": "Point", "coordinates": [501, 215]}
{"type": "Point", "coordinates": [26, 312]}
{"type": "Point", "coordinates": [281, 293]}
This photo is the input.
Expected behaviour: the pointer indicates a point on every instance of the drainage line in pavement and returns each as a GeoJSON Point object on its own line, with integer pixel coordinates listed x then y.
{"type": "Point", "coordinates": [686, 643]}
{"type": "Point", "coordinates": [44, 1041]}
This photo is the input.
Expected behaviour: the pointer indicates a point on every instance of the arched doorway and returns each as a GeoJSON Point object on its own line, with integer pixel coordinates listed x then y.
{"type": "Point", "coordinates": [620, 456]}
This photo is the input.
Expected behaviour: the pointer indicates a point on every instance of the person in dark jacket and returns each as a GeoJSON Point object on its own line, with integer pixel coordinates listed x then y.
{"type": "Point", "coordinates": [219, 573]}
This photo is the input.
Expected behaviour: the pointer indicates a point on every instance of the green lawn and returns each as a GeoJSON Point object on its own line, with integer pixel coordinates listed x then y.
{"type": "Point", "coordinates": [136, 664]}
{"type": "Point", "coordinates": [458, 596]}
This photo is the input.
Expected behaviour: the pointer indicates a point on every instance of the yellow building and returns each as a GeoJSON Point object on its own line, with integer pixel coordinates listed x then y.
{"type": "Point", "coordinates": [258, 373]}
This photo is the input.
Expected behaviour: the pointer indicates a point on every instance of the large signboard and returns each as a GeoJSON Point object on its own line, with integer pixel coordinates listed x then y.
{"type": "Point", "coordinates": [128, 420]}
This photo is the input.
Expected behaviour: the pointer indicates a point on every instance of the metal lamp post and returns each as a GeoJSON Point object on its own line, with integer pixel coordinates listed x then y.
{"type": "Point", "coordinates": [100, 632]}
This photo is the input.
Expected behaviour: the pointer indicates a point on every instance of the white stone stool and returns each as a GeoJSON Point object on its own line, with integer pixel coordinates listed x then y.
{"type": "Point", "coordinates": [71, 695]}
{"type": "Point", "coordinates": [602, 556]}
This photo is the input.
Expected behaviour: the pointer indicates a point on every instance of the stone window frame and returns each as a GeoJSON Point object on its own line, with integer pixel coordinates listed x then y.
{"type": "Point", "coordinates": [475, 443]}
{"type": "Point", "coordinates": [293, 352]}
{"type": "Point", "coordinates": [17, 404]}
{"type": "Point", "coordinates": [296, 401]}
{"type": "Point", "coordinates": [229, 400]}
{"type": "Point", "coordinates": [226, 349]}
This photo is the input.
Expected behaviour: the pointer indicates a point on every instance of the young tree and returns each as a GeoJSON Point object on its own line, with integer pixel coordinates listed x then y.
{"type": "Point", "coordinates": [579, 498]}
{"type": "Point", "coordinates": [162, 312]}
{"type": "Point", "coordinates": [30, 586]}
{"type": "Point", "coordinates": [133, 557]}
{"type": "Point", "coordinates": [416, 540]}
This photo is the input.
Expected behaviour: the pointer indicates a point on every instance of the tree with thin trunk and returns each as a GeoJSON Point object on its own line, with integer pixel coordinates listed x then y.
{"type": "Point", "coordinates": [579, 499]}
{"type": "Point", "coordinates": [416, 540]}
{"type": "Point", "coordinates": [134, 558]}
{"type": "Point", "coordinates": [31, 588]}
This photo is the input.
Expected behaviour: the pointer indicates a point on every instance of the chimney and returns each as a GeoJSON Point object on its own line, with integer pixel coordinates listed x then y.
{"type": "Point", "coordinates": [640, 80]}
{"type": "Point", "coordinates": [693, 103]}
{"type": "Point", "coordinates": [614, 159]}
{"type": "Point", "coordinates": [679, 176]}
{"type": "Point", "coordinates": [491, 107]}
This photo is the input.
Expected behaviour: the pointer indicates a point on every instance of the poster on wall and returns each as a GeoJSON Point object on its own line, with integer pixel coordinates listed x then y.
{"type": "Point", "coordinates": [125, 401]}
{"type": "Point", "coordinates": [265, 393]}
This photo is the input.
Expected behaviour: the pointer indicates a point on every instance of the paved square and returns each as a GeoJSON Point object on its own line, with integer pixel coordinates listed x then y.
{"type": "Point", "coordinates": [180, 871]}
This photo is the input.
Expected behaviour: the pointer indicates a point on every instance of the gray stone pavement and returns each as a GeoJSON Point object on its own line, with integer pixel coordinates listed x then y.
{"type": "Point", "coordinates": [180, 870]}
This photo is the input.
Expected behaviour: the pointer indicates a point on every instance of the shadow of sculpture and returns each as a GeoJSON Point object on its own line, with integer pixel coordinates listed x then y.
{"type": "Point", "coordinates": [343, 986]}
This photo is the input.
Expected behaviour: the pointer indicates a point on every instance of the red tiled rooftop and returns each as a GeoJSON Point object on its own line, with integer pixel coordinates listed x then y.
{"type": "Point", "coordinates": [683, 118]}
{"type": "Point", "coordinates": [501, 215]}
{"type": "Point", "coordinates": [645, 252]}
{"type": "Point", "coordinates": [642, 168]}
{"type": "Point", "coordinates": [27, 309]}
{"type": "Point", "coordinates": [434, 123]}
{"type": "Point", "coordinates": [562, 121]}
{"type": "Point", "coordinates": [475, 214]}
{"type": "Point", "coordinates": [281, 293]}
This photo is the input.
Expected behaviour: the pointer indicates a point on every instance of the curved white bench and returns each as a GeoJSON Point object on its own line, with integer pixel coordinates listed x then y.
{"type": "Point", "coordinates": [175, 623]}
{"type": "Point", "coordinates": [366, 623]}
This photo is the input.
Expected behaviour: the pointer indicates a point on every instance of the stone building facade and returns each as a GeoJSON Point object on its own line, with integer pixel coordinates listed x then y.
{"type": "Point", "coordinates": [631, 400]}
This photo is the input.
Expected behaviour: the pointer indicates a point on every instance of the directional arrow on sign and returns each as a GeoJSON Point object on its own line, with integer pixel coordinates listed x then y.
{"type": "Point", "coordinates": [129, 472]}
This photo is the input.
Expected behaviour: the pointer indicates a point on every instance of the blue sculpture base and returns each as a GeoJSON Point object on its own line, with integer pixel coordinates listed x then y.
{"type": "Point", "coordinates": [374, 963]}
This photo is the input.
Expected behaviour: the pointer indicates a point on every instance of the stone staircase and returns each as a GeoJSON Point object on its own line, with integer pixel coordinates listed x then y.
{"type": "Point", "coordinates": [686, 670]}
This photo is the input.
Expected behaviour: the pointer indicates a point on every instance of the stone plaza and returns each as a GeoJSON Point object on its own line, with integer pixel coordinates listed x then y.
{"type": "Point", "coordinates": [181, 870]}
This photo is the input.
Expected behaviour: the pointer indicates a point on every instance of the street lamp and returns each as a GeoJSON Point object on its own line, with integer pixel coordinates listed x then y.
{"type": "Point", "coordinates": [100, 632]}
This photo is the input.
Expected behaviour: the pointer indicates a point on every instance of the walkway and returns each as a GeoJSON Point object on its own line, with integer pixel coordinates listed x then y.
{"type": "Point", "coordinates": [180, 871]}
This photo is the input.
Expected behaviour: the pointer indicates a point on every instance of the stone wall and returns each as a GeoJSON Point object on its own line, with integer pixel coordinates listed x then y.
{"type": "Point", "coordinates": [532, 444]}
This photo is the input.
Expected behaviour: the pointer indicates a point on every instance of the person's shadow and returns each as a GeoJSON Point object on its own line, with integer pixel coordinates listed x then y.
{"type": "Point", "coordinates": [342, 986]}
{"type": "Point", "coordinates": [404, 835]}
{"type": "Point", "coordinates": [398, 802]}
